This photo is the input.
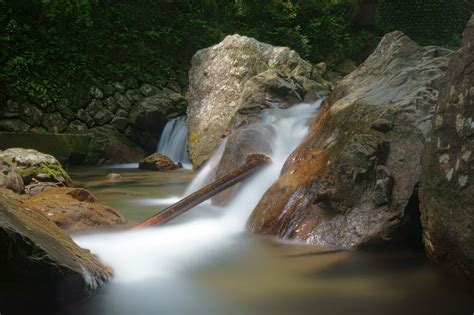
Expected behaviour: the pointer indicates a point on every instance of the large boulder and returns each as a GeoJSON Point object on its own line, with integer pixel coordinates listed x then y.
{"type": "Point", "coordinates": [109, 146]}
{"type": "Point", "coordinates": [31, 164]}
{"type": "Point", "coordinates": [447, 194]}
{"type": "Point", "coordinates": [74, 209]}
{"type": "Point", "coordinates": [222, 80]}
{"type": "Point", "coordinates": [353, 181]}
{"type": "Point", "coordinates": [40, 263]}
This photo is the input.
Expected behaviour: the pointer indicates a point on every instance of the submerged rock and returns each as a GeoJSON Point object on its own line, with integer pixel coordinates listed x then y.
{"type": "Point", "coordinates": [241, 73]}
{"type": "Point", "coordinates": [31, 164]}
{"type": "Point", "coordinates": [447, 194]}
{"type": "Point", "coordinates": [158, 162]}
{"type": "Point", "coordinates": [74, 209]}
{"type": "Point", "coordinates": [349, 183]}
{"type": "Point", "coordinates": [40, 263]}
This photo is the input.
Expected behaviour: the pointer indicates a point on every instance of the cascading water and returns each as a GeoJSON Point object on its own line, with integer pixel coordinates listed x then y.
{"type": "Point", "coordinates": [174, 141]}
{"type": "Point", "coordinates": [168, 250]}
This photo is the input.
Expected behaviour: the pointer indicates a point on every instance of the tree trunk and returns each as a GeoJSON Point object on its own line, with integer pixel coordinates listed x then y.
{"type": "Point", "coordinates": [252, 164]}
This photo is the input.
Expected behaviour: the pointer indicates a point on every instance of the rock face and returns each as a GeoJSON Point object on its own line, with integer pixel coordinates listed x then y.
{"type": "Point", "coordinates": [74, 209]}
{"type": "Point", "coordinates": [447, 194]}
{"type": "Point", "coordinates": [32, 164]}
{"type": "Point", "coordinates": [158, 162]}
{"type": "Point", "coordinates": [350, 183]}
{"type": "Point", "coordinates": [241, 73]}
{"type": "Point", "coordinates": [41, 260]}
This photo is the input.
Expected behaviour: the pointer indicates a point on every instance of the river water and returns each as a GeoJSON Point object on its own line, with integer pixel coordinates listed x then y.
{"type": "Point", "coordinates": [207, 263]}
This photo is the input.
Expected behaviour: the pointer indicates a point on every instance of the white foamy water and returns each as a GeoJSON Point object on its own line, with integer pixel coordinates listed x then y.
{"type": "Point", "coordinates": [174, 141]}
{"type": "Point", "coordinates": [166, 251]}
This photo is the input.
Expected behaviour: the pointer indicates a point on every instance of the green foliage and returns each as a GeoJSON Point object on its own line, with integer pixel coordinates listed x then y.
{"type": "Point", "coordinates": [55, 48]}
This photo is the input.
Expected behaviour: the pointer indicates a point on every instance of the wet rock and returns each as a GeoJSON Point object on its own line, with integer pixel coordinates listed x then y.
{"type": "Point", "coordinates": [74, 209]}
{"type": "Point", "coordinates": [348, 184]}
{"type": "Point", "coordinates": [447, 189]}
{"type": "Point", "coordinates": [218, 76]}
{"type": "Point", "coordinates": [114, 178]}
{"type": "Point", "coordinates": [13, 125]}
{"type": "Point", "coordinates": [54, 122]}
{"type": "Point", "coordinates": [42, 260]}
{"type": "Point", "coordinates": [31, 114]}
{"type": "Point", "coordinates": [252, 139]}
{"type": "Point", "coordinates": [32, 164]}
{"type": "Point", "coordinates": [158, 162]}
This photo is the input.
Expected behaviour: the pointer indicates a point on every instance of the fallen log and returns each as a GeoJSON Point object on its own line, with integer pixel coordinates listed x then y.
{"type": "Point", "coordinates": [253, 162]}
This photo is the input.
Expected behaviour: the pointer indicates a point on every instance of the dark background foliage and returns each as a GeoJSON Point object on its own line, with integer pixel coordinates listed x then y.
{"type": "Point", "coordinates": [51, 49]}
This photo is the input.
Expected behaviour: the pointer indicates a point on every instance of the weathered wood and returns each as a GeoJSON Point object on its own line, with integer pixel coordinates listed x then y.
{"type": "Point", "coordinates": [252, 164]}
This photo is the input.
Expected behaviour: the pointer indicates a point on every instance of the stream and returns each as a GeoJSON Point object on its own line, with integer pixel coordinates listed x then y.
{"type": "Point", "coordinates": [206, 262]}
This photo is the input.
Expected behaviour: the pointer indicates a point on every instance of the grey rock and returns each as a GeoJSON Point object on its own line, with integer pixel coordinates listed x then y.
{"type": "Point", "coordinates": [149, 90]}
{"type": "Point", "coordinates": [447, 186]}
{"type": "Point", "coordinates": [54, 122]}
{"type": "Point", "coordinates": [110, 104]}
{"type": "Point", "coordinates": [12, 109]}
{"type": "Point", "coordinates": [94, 107]}
{"type": "Point", "coordinates": [76, 126]}
{"type": "Point", "coordinates": [133, 95]}
{"type": "Point", "coordinates": [119, 87]}
{"type": "Point", "coordinates": [13, 125]}
{"type": "Point", "coordinates": [122, 101]}
{"type": "Point", "coordinates": [355, 191]}
{"type": "Point", "coordinates": [84, 116]}
{"type": "Point", "coordinates": [31, 114]}
{"type": "Point", "coordinates": [120, 123]}
{"type": "Point", "coordinates": [97, 93]}
{"type": "Point", "coordinates": [103, 117]}
{"type": "Point", "coordinates": [64, 107]}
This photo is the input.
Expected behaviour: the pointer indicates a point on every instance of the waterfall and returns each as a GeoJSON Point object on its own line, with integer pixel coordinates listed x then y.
{"type": "Point", "coordinates": [167, 251]}
{"type": "Point", "coordinates": [174, 141]}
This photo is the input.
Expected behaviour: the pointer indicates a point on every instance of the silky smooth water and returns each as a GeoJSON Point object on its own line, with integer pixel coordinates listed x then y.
{"type": "Point", "coordinates": [174, 140]}
{"type": "Point", "coordinates": [207, 263]}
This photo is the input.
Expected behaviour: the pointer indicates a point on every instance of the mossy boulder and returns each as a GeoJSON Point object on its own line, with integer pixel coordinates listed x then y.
{"type": "Point", "coordinates": [41, 265]}
{"type": "Point", "coordinates": [31, 164]}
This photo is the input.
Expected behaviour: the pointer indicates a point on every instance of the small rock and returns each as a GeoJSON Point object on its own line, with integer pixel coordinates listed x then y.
{"type": "Point", "coordinates": [382, 125]}
{"type": "Point", "coordinates": [94, 107]}
{"type": "Point", "coordinates": [95, 92]}
{"type": "Point", "coordinates": [103, 117]}
{"type": "Point", "coordinates": [9, 179]}
{"type": "Point", "coordinates": [119, 87]}
{"type": "Point", "coordinates": [77, 126]}
{"type": "Point", "coordinates": [64, 107]}
{"type": "Point", "coordinates": [120, 123]}
{"type": "Point", "coordinates": [149, 90]}
{"type": "Point", "coordinates": [110, 104]}
{"type": "Point", "coordinates": [13, 125]}
{"type": "Point", "coordinates": [31, 114]}
{"type": "Point", "coordinates": [11, 110]}
{"type": "Point", "coordinates": [122, 102]}
{"type": "Point", "coordinates": [158, 162]}
{"type": "Point", "coordinates": [133, 95]}
{"type": "Point", "coordinates": [114, 178]}
{"type": "Point", "coordinates": [84, 116]}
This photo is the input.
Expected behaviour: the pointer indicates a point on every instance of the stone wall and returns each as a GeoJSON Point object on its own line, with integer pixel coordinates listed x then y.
{"type": "Point", "coordinates": [131, 111]}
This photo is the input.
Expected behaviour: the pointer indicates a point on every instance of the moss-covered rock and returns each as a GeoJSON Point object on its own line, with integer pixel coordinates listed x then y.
{"type": "Point", "coordinates": [31, 164]}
